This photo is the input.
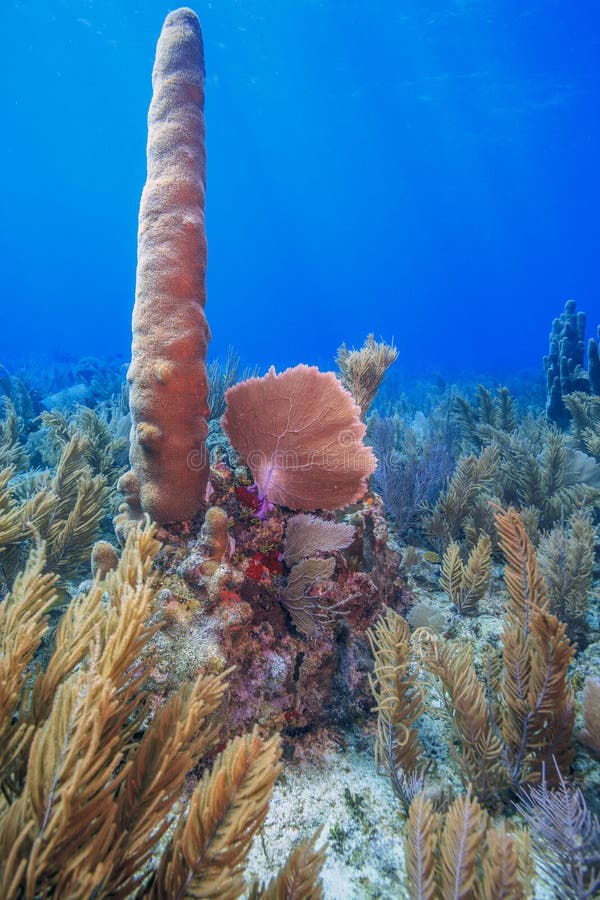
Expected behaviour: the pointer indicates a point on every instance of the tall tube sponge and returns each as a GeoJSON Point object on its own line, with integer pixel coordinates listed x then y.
{"type": "Point", "coordinates": [167, 374]}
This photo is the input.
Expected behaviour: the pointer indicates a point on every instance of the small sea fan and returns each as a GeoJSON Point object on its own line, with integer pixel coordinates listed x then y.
{"type": "Point", "coordinates": [306, 535]}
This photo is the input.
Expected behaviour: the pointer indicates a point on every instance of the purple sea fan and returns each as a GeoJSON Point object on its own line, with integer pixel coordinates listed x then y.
{"type": "Point", "coordinates": [566, 837]}
{"type": "Point", "coordinates": [307, 535]}
{"type": "Point", "coordinates": [410, 472]}
{"type": "Point", "coordinates": [299, 432]}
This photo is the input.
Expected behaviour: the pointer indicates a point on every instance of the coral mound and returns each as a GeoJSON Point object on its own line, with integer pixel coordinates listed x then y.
{"type": "Point", "coordinates": [225, 602]}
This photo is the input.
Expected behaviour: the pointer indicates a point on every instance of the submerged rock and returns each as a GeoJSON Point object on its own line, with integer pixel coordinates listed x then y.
{"type": "Point", "coordinates": [221, 607]}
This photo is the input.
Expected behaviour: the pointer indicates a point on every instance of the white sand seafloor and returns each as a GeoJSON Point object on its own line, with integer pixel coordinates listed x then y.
{"type": "Point", "coordinates": [361, 819]}
{"type": "Point", "coordinates": [362, 823]}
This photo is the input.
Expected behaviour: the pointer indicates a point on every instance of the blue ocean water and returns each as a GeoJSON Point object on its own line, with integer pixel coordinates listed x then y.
{"type": "Point", "coordinates": [427, 171]}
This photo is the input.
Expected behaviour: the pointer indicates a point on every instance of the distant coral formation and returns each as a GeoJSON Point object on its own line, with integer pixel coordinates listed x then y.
{"type": "Point", "coordinates": [565, 364]}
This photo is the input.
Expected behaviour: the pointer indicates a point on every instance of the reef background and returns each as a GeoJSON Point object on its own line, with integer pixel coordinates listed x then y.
{"type": "Point", "coordinates": [479, 525]}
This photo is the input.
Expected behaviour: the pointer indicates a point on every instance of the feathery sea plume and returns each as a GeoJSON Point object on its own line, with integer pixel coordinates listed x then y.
{"type": "Point", "coordinates": [362, 371]}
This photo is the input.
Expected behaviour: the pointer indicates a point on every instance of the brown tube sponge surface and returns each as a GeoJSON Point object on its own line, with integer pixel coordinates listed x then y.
{"type": "Point", "coordinates": [170, 335]}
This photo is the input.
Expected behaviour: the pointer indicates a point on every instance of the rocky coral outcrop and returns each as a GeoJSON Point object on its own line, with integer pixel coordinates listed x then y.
{"type": "Point", "coordinates": [221, 606]}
